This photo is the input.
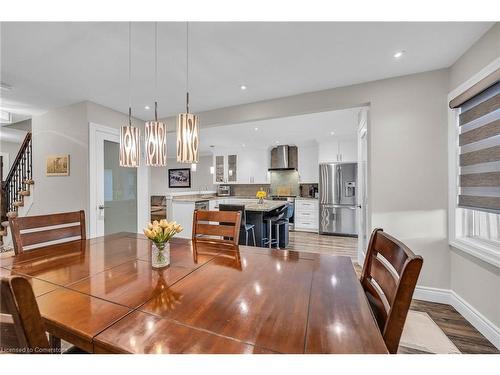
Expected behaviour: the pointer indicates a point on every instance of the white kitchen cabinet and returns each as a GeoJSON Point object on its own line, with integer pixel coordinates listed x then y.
{"type": "Point", "coordinates": [348, 150]}
{"type": "Point", "coordinates": [182, 213]}
{"type": "Point", "coordinates": [344, 150]}
{"type": "Point", "coordinates": [250, 167]}
{"type": "Point", "coordinates": [306, 215]}
{"type": "Point", "coordinates": [308, 164]}
{"type": "Point", "coordinates": [225, 168]}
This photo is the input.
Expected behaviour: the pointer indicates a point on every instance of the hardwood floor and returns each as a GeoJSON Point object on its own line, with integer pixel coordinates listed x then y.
{"type": "Point", "coordinates": [465, 337]}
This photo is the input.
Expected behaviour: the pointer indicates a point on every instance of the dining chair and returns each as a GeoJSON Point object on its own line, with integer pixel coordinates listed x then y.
{"type": "Point", "coordinates": [219, 227]}
{"type": "Point", "coordinates": [21, 325]}
{"type": "Point", "coordinates": [36, 231]}
{"type": "Point", "coordinates": [389, 276]}
{"type": "Point", "coordinates": [244, 225]}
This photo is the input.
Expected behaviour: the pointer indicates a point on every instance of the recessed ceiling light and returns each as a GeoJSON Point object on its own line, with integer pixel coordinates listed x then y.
{"type": "Point", "coordinates": [277, 142]}
{"type": "Point", "coordinates": [399, 54]}
{"type": "Point", "coordinates": [243, 145]}
{"type": "Point", "coordinates": [243, 87]}
{"type": "Point", "coordinates": [332, 133]}
{"type": "Point", "coordinates": [256, 129]}
{"type": "Point", "coordinates": [147, 107]}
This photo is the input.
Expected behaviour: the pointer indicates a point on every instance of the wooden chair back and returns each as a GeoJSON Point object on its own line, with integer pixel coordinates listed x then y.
{"type": "Point", "coordinates": [22, 329]}
{"type": "Point", "coordinates": [34, 231]}
{"type": "Point", "coordinates": [222, 227]}
{"type": "Point", "coordinates": [389, 276]}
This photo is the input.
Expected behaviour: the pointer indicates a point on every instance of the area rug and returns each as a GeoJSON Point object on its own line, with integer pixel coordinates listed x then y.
{"type": "Point", "coordinates": [423, 334]}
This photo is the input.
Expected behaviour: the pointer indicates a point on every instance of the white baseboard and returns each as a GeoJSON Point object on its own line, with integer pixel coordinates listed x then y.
{"type": "Point", "coordinates": [474, 317]}
{"type": "Point", "coordinates": [429, 294]}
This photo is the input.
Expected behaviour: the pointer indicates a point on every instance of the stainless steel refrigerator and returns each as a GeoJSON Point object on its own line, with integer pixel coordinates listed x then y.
{"type": "Point", "coordinates": [337, 198]}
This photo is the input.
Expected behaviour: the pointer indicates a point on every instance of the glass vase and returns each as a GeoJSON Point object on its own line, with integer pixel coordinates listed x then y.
{"type": "Point", "coordinates": [160, 254]}
{"type": "Point", "coordinates": [261, 200]}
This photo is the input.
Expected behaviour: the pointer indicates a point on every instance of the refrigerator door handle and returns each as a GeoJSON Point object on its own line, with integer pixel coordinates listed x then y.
{"type": "Point", "coordinates": [339, 184]}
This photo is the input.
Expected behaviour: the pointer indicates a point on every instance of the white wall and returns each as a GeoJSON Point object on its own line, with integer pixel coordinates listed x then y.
{"type": "Point", "coordinates": [65, 130]}
{"type": "Point", "coordinates": [472, 279]}
{"type": "Point", "coordinates": [200, 180]}
{"type": "Point", "coordinates": [10, 148]}
{"type": "Point", "coordinates": [61, 131]}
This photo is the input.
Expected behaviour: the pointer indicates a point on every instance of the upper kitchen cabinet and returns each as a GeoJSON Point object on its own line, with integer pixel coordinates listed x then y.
{"type": "Point", "coordinates": [242, 167]}
{"type": "Point", "coordinates": [252, 166]}
{"type": "Point", "coordinates": [220, 175]}
{"type": "Point", "coordinates": [344, 150]}
{"type": "Point", "coordinates": [226, 168]}
{"type": "Point", "coordinates": [348, 150]}
{"type": "Point", "coordinates": [308, 164]}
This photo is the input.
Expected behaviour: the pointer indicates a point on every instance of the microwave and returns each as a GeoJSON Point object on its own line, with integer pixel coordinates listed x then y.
{"type": "Point", "coordinates": [224, 190]}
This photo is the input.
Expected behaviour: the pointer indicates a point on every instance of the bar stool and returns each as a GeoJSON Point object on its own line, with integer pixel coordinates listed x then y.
{"type": "Point", "coordinates": [271, 220]}
{"type": "Point", "coordinates": [283, 221]}
{"type": "Point", "coordinates": [244, 225]}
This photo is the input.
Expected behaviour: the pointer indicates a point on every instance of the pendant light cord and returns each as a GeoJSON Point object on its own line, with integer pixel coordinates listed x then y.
{"type": "Point", "coordinates": [130, 73]}
{"type": "Point", "coordinates": [187, 67]}
{"type": "Point", "coordinates": [156, 71]}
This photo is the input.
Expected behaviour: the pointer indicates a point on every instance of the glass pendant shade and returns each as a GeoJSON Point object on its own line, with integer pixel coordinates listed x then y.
{"type": "Point", "coordinates": [129, 146]}
{"type": "Point", "coordinates": [156, 144]}
{"type": "Point", "coordinates": [187, 138]}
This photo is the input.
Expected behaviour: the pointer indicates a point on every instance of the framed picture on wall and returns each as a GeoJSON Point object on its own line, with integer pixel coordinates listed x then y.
{"type": "Point", "coordinates": [179, 178]}
{"type": "Point", "coordinates": [57, 165]}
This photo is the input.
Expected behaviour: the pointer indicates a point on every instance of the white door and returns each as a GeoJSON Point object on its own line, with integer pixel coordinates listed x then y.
{"type": "Point", "coordinates": [362, 195]}
{"type": "Point", "coordinates": [113, 201]}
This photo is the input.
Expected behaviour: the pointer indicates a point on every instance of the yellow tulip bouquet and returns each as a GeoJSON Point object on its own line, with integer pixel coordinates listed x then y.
{"type": "Point", "coordinates": [160, 232]}
{"type": "Point", "coordinates": [261, 194]}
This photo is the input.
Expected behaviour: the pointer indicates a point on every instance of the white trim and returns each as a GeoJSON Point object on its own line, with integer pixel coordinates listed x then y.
{"type": "Point", "coordinates": [471, 247]}
{"type": "Point", "coordinates": [473, 316]}
{"type": "Point", "coordinates": [437, 295]}
{"type": "Point", "coordinates": [477, 249]}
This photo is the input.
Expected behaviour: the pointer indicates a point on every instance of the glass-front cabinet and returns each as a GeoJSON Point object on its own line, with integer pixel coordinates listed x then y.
{"type": "Point", "coordinates": [232, 161]}
{"type": "Point", "coordinates": [226, 169]}
{"type": "Point", "coordinates": [219, 169]}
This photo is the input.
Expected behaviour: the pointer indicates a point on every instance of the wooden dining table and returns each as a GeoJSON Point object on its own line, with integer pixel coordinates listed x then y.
{"type": "Point", "coordinates": [103, 296]}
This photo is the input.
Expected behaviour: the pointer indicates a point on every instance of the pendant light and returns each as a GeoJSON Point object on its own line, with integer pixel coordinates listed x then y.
{"type": "Point", "coordinates": [187, 123]}
{"type": "Point", "coordinates": [156, 131]}
{"type": "Point", "coordinates": [129, 135]}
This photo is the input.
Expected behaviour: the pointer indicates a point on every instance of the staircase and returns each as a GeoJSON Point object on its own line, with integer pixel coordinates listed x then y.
{"type": "Point", "coordinates": [17, 190]}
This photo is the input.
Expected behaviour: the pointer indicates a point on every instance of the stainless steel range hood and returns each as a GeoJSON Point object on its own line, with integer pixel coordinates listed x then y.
{"type": "Point", "coordinates": [284, 158]}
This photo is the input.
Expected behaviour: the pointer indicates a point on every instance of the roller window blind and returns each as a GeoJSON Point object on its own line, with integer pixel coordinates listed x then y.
{"type": "Point", "coordinates": [479, 151]}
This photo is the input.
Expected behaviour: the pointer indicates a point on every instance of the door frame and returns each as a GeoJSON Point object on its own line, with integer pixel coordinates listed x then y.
{"type": "Point", "coordinates": [143, 199]}
{"type": "Point", "coordinates": [364, 123]}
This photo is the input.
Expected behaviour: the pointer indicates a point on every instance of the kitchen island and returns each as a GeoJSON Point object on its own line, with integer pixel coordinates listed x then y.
{"type": "Point", "coordinates": [256, 214]}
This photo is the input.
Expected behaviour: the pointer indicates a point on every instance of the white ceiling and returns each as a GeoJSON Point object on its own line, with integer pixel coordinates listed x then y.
{"type": "Point", "coordinates": [54, 64]}
{"type": "Point", "coordinates": [303, 130]}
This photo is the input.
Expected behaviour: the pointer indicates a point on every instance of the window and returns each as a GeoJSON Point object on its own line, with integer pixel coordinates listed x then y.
{"type": "Point", "coordinates": [475, 178]}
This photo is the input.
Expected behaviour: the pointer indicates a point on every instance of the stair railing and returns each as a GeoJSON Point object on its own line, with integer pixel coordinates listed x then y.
{"type": "Point", "coordinates": [19, 177]}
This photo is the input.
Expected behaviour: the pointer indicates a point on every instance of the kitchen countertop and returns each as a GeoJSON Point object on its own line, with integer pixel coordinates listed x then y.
{"type": "Point", "coordinates": [194, 198]}
{"type": "Point", "coordinates": [200, 198]}
{"type": "Point", "coordinates": [267, 206]}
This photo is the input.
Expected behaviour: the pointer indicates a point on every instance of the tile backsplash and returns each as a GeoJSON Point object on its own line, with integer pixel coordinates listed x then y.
{"type": "Point", "coordinates": [285, 183]}
{"type": "Point", "coordinates": [248, 190]}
